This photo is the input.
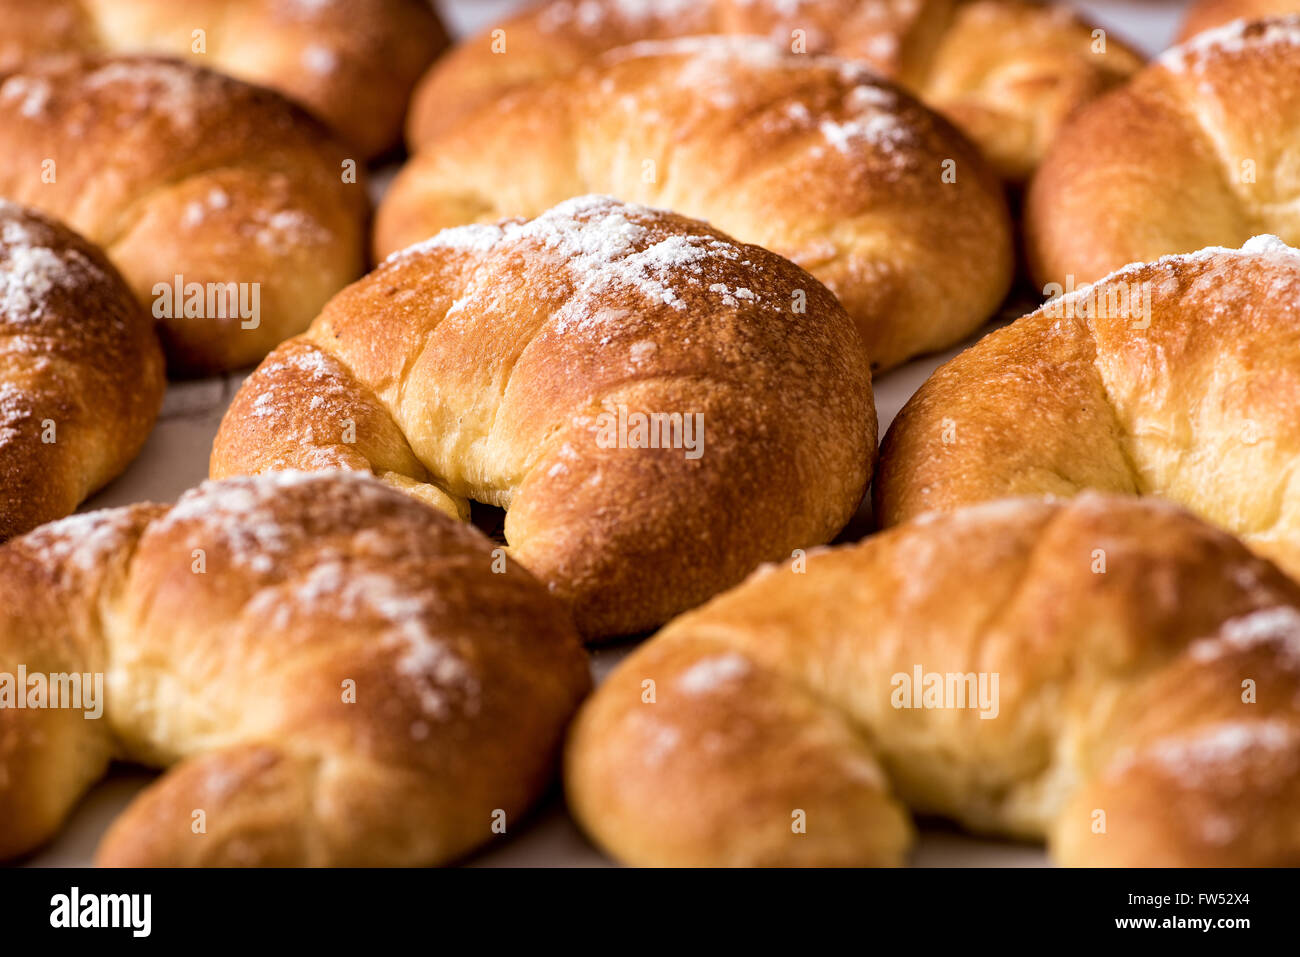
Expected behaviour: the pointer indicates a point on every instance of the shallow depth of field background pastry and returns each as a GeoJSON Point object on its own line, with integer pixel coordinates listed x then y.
{"type": "Point", "coordinates": [1007, 72]}
{"type": "Point", "coordinates": [175, 456]}
{"type": "Point", "coordinates": [189, 178]}
{"type": "Point", "coordinates": [352, 63]}
{"type": "Point", "coordinates": [811, 157]}
{"type": "Point", "coordinates": [1202, 148]}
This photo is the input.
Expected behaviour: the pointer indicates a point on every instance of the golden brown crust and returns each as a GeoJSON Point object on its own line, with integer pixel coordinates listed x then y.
{"type": "Point", "coordinates": [81, 371]}
{"type": "Point", "coordinates": [334, 675]}
{"type": "Point", "coordinates": [175, 170]}
{"type": "Point", "coordinates": [1188, 392]}
{"type": "Point", "coordinates": [770, 726]}
{"type": "Point", "coordinates": [492, 362]}
{"type": "Point", "coordinates": [813, 158]}
{"type": "Point", "coordinates": [1007, 72]}
{"type": "Point", "coordinates": [1197, 150]}
{"type": "Point", "coordinates": [1206, 15]}
{"type": "Point", "coordinates": [353, 63]}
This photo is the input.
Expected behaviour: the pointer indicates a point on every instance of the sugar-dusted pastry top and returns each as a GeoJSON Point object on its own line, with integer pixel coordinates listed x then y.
{"type": "Point", "coordinates": [81, 370]}
{"type": "Point", "coordinates": [333, 674]}
{"type": "Point", "coordinates": [657, 406]}
{"type": "Point", "coordinates": [1176, 378]}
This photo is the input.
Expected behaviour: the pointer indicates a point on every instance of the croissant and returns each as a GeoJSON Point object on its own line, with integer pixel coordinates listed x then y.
{"type": "Point", "coordinates": [1008, 73]}
{"type": "Point", "coordinates": [1202, 148]}
{"type": "Point", "coordinates": [333, 674]}
{"type": "Point", "coordinates": [810, 157]}
{"type": "Point", "coordinates": [228, 211]}
{"type": "Point", "coordinates": [1107, 673]}
{"type": "Point", "coordinates": [353, 63]}
{"type": "Point", "coordinates": [81, 371]}
{"type": "Point", "coordinates": [1203, 15]}
{"type": "Point", "coordinates": [657, 407]}
{"type": "Point", "coordinates": [1177, 378]}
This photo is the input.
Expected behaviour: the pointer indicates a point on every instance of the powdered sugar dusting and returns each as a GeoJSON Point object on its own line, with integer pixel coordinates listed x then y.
{"type": "Point", "coordinates": [880, 130]}
{"type": "Point", "coordinates": [734, 297]}
{"type": "Point", "coordinates": [1264, 246]}
{"type": "Point", "coordinates": [197, 210]}
{"type": "Point", "coordinates": [1277, 628]}
{"type": "Point", "coordinates": [1210, 751]}
{"type": "Point", "coordinates": [265, 405]}
{"type": "Point", "coordinates": [240, 514]}
{"type": "Point", "coordinates": [247, 519]}
{"type": "Point", "coordinates": [27, 275]}
{"type": "Point", "coordinates": [474, 238]}
{"type": "Point", "coordinates": [320, 59]}
{"type": "Point", "coordinates": [15, 408]}
{"type": "Point", "coordinates": [32, 93]}
{"type": "Point", "coordinates": [156, 86]}
{"type": "Point", "coordinates": [592, 16]}
{"type": "Point", "coordinates": [708, 65]}
{"type": "Point", "coordinates": [332, 398]}
{"type": "Point", "coordinates": [1229, 40]}
{"type": "Point", "coordinates": [30, 270]}
{"type": "Point", "coordinates": [868, 119]}
{"type": "Point", "coordinates": [708, 674]}
{"type": "Point", "coordinates": [1216, 757]}
{"type": "Point", "coordinates": [358, 597]}
{"type": "Point", "coordinates": [663, 741]}
{"type": "Point", "coordinates": [284, 230]}
{"type": "Point", "coordinates": [604, 245]}
{"type": "Point", "coordinates": [84, 541]}
{"type": "Point", "coordinates": [311, 361]}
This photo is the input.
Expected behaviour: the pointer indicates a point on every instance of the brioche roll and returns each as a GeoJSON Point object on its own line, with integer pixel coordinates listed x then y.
{"type": "Point", "coordinates": [81, 371]}
{"type": "Point", "coordinates": [811, 157]}
{"type": "Point", "coordinates": [1108, 674]}
{"type": "Point", "coordinates": [657, 407]}
{"type": "Point", "coordinates": [225, 207]}
{"type": "Point", "coordinates": [1007, 72]}
{"type": "Point", "coordinates": [353, 63]}
{"type": "Point", "coordinates": [1177, 378]}
{"type": "Point", "coordinates": [1200, 149]}
{"type": "Point", "coordinates": [332, 674]}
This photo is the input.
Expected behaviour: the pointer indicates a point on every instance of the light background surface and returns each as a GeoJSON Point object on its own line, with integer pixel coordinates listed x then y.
{"type": "Point", "coordinates": [176, 458]}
